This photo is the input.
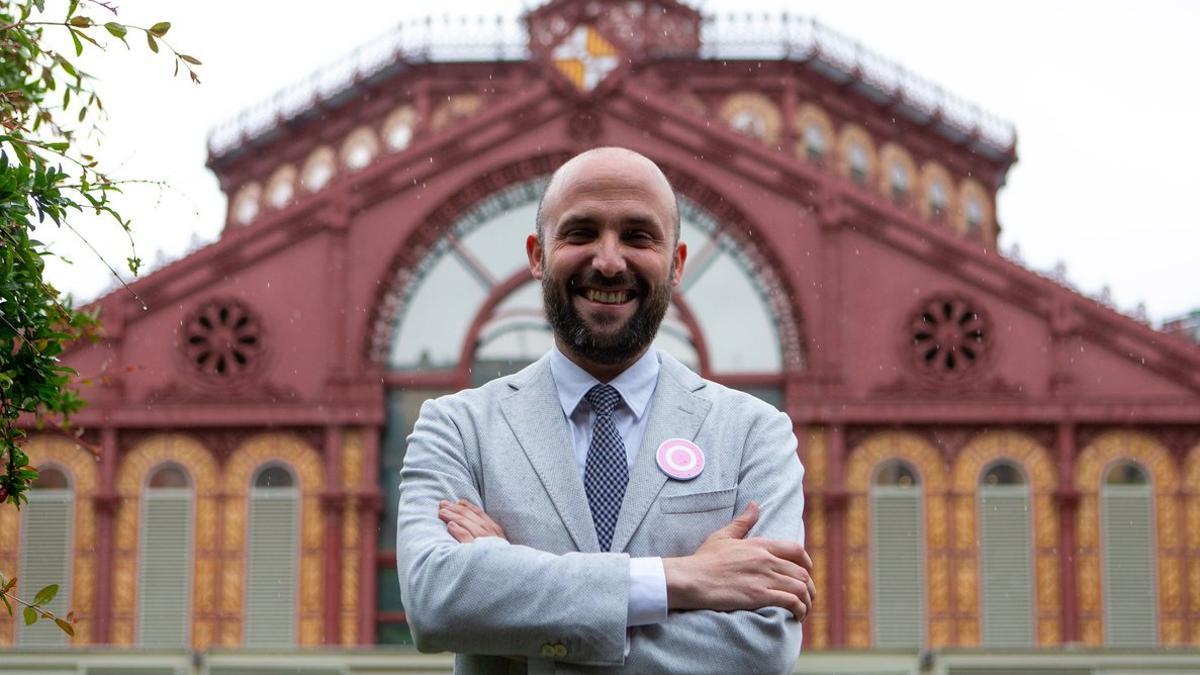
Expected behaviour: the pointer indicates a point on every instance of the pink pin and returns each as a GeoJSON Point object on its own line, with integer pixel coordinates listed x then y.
{"type": "Point", "coordinates": [680, 458]}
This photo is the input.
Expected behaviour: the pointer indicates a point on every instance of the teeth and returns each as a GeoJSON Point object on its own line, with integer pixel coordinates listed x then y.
{"type": "Point", "coordinates": [609, 297]}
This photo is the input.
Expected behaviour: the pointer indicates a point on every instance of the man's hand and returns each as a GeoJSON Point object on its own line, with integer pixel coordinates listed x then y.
{"type": "Point", "coordinates": [467, 522]}
{"type": "Point", "coordinates": [729, 572]}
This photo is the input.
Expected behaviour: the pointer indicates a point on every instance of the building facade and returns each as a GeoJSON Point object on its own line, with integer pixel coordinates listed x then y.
{"type": "Point", "coordinates": [995, 463]}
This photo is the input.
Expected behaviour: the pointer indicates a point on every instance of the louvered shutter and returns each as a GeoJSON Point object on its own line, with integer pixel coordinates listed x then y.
{"type": "Point", "coordinates": [1130, 607]}
{"type": "Point", "coordinates": [46, 529]}
{"type": "Point", "coordinates": [271, 567]}
{"type": "Point", "coordinates": [897, 567]}
{"type": "Point", "coordinates": [1007, 572]}
{"type": "Point", "coordinates": [165, 568]}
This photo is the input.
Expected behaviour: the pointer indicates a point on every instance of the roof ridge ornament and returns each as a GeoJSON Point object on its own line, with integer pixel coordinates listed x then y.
{"type": "Point", "coordinates": [585, 57]}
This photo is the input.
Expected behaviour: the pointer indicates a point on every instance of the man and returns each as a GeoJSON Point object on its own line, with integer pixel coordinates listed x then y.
{"type": "Point", "coordinates": [545, 522]}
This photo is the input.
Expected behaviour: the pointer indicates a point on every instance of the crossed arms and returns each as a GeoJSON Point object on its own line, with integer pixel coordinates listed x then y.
{"type": "Point", "coordinates": [734, 602]}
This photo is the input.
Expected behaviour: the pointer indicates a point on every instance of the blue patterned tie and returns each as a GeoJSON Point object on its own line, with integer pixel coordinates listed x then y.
{"type": "Point", "coordinates": [606, 472]}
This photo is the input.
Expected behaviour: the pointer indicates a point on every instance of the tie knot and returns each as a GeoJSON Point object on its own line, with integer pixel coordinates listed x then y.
{"type": "Point", "coordinates": [603, 398]}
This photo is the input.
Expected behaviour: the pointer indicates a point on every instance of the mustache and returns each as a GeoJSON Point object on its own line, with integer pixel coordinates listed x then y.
{"type": "Point", "coordinates": [593, 279]}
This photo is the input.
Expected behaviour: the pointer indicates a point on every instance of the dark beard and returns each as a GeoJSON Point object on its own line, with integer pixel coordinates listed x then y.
{"type": "Point", "coordinates": [618, 347]}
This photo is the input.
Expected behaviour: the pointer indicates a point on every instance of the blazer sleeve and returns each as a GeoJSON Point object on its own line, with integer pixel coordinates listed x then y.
{"type": "Point", "coordinates": [494, 598]}
{"type": "Point", "coordinates": [762, 641]}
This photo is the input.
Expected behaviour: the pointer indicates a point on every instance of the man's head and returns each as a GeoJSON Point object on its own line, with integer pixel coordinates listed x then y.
{"type": "Point", "coordinates": [608, 254]}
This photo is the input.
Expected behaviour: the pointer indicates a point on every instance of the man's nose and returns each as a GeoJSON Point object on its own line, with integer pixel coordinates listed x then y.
{"type": "Point", "coordinates": [609, 259]}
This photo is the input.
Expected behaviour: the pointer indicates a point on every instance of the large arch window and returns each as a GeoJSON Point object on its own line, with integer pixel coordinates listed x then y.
{"type": "Point", "coordinates": [272, 552]}
{"type": "Point", "coordinates": [897, 557]}
{"type": "Point", "coordinates": [46, 535]}
{"type": "Point", "coordinates": [1127, 540]}
{"type": "Point", "coordinates": [725, 323]}
{"type": "Point", "coordinates": [1005, 557]}
{"type": "Point", "coordinates": [165, 559]}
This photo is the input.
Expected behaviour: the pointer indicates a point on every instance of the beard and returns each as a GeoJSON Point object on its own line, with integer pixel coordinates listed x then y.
{"type": "Point", "coordinates": [616, 346]}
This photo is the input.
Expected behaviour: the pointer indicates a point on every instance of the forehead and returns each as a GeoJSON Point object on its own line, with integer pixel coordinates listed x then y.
{"type": "Point", "coordinates": [621, 187]}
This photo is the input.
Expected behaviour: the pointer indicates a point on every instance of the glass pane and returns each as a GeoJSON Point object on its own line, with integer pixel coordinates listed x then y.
{"type": "Point", "coordinates": [393, 634]}
{"type": "Point", "coordinates": [898, 474]}
{"type": "Point", "coordinates": [50, 478]}
{"type": "Point", "coordinates": [389, 599]}
{"type": "Point", "coordinates": [499, 243]}
{"type": "Point", "coordinates": [1126, 473]}
{"type": "Point", "coordinates": [770, 395]}
{"type": "Point", "coordinates": [438, 316]}
{"type": "Point", "coordinates": [403, 407]}
{"type": "Point", "coordinates": [1003, 473]}
{"type": "Point", "coordinates": [274, 477]}
{"type": "Point", "coordinates": [737, 324]}
{"type": "Point", "coordinates": [169, 477]}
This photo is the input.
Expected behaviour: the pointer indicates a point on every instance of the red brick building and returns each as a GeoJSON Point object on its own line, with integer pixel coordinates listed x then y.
{"type": "Point", "coordinates": [994, 461]}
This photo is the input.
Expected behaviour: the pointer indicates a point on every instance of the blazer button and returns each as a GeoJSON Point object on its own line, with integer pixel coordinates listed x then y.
{"type": "Point", "coordinates": [548, 651]}
{"type": "Point", "coordinates": [560, 650]}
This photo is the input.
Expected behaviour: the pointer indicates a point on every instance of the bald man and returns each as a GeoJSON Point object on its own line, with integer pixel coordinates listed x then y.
{"type": "Point", "coordinates": [605, 509]}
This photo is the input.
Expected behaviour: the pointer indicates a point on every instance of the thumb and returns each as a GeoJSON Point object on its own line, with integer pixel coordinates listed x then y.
{"type": "Point", "coordinates": [741, 525]}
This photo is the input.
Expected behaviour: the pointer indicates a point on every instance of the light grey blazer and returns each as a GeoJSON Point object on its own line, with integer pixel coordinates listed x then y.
{"type": "Point", "coordinates": [551, 594]}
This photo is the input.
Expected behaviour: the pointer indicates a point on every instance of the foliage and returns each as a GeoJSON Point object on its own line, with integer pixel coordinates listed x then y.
{"type": "Point", "coordinates": [32, 611]}
{"type": "Point", "coordinates": [46, 98]}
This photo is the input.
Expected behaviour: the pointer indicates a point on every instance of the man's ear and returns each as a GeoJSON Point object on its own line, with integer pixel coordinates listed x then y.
{"type": "Point", "coordinates": [533, 249]}
{"type": "Point", "coordinates": [680, 259]}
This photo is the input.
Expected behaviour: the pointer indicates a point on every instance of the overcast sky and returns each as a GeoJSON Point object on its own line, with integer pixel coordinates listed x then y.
{"type": "Point", "coordinates": [1102, 94]}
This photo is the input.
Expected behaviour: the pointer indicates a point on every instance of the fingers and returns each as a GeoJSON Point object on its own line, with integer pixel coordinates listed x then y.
{"type": "Point", "coordinates": [789, 602]}
{"type": "Point", "coordinates": [460, 533]}
{"type": "Point", "coordinates": [469, 518]}
{"type": "Point", "coordinates": [799, 599]}
{"type": "Point", "coordinates": [789, 550]}
{"type": "Point", "coordinates": [741, 525]}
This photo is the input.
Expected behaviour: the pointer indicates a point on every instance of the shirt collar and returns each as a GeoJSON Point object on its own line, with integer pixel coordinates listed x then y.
{"type": "Point", "coordinates": [636, 384]}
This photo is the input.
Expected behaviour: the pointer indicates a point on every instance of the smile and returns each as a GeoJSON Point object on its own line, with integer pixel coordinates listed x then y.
{"type": "Point", "coordinates": [608, 297]}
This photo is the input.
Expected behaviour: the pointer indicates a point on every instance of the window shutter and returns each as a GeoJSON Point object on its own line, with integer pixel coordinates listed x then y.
{"type": "Point", "coordinates": [45, 559]}
{"type": "Point", "coordinates": [1007, 571]}
{"type": "Point", "coordinates": [165, 568]}
{"type": "Point", "coordinates": [897, 567]}
{"type": "Point", "coordinates": [1130, 577]}
{"type": "Point", "coordinates": [271, 568]}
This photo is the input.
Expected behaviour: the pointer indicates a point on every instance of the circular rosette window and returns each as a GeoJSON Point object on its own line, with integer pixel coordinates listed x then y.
{"type": "Point", "coordinates": [949, 337]}
{"type": "Point", "coordinates": [222, 340]}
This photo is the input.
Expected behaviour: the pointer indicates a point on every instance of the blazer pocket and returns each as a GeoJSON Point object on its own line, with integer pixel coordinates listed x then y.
{"type": "Point", "coordinates": [699, 501]}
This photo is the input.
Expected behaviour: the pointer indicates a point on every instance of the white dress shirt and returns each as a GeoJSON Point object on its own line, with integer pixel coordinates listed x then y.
{"type": "Point", "coordinates": [647, 579]}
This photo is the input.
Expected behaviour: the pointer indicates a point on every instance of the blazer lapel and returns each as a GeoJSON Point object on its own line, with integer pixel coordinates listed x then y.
{"type": "Point", "coordinates": [675, 412]}
{"type": "Point", "coordinates": [536, 417]}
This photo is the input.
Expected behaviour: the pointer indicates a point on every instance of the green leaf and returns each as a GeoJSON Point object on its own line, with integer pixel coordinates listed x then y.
{"type": "Point", "coordinates": [78, 44]}
{"type": "Point", "coordinates": [81, 21]}
{"type": "Point", "coordinates": [46, 594]}
{"type": "Point", "coordinates": [152, 42]}
{"type": "Point", "coordinates": [31, 616]}
{"type": "Point", "coordinates": [160, 29]}
{"type": "Point", "coordinates": [66, 627]}
{"type": "Point", "coordinates": [190, 59]}
{"type": "Point", "coordinates": [116, 30]}
{"type": "Point", "coordinates": [7, 604]}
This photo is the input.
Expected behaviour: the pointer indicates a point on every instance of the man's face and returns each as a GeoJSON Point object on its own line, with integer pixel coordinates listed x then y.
{"type": "Point", "coordinates": [608, 258]}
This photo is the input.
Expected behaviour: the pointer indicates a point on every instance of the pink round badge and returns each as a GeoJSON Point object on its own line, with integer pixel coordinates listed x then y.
{"type": "Point", "coordinates": [680, 458]}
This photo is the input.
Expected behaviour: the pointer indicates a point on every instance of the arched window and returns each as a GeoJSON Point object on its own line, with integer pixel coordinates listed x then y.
{"type": "Point", "coordinates": [46, 535]}
{"type": "Point", "coordinates": [1127, 541]}
{"type": "Point", "coordinates": [165, 559]}
{"type": "Point", "coordinates": [897, 557]}
{"type": "Point", "coordinates": [1005, 557]}
{"type": "Point", "coordinates": [726, 294]}
{"type": "Point", "coordinates": [272, 552]}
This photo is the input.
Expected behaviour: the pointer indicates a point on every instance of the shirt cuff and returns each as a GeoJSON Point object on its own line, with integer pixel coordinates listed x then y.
{"type": "Point", "coordinates": [647, 592]}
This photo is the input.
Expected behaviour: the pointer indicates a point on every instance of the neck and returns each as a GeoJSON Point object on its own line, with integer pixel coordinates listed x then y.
{"type": "Point", "coordinates": [605, 372]}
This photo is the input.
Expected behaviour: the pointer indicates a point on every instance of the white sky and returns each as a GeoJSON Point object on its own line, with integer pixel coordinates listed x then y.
{"type": "Point", "coordinates": [1098, 92]}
